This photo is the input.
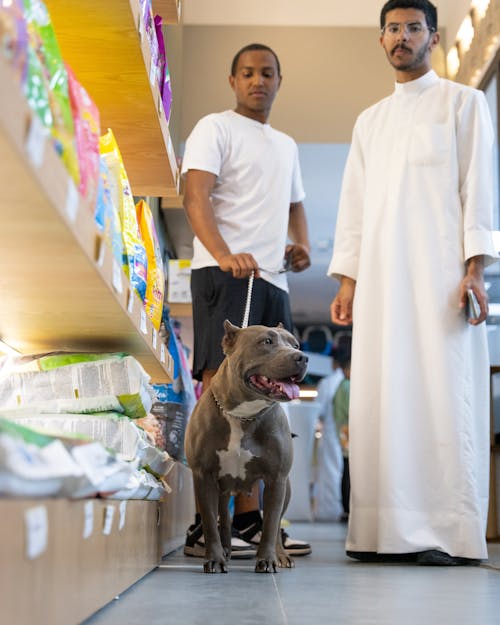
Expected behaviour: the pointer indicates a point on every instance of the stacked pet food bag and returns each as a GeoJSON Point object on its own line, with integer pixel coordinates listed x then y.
{"type": "Point", "coordinates": [83, 425]}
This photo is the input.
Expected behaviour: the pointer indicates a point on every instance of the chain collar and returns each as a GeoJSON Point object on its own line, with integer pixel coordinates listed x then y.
{"type": "Point", "coordinates": [233, 416]}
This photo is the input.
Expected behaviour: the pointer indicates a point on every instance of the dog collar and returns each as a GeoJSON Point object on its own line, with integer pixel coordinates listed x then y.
{"type": "Point", "coordinates": [226, 413]}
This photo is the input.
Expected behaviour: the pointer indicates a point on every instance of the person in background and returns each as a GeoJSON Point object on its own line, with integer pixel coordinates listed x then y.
{"type": "Point", "coordinates": [341, 416]}
{"type": "Point", "coordinates": [413, 235]}
{"type": "Point", "coordinates": [243, 199]}
{"type": "Point", "coordinates": [327, 487]}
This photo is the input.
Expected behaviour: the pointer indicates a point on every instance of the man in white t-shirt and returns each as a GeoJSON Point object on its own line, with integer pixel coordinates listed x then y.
{"type": "Point", "coordinates": [243, 198]}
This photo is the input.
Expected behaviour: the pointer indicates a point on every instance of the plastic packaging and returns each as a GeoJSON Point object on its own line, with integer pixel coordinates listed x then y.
{"type": "Point", "coordinates": [135, 259]}
{"type": "Point", "coordinates": [43, 42]}
{"type": "Point", "coordinates": [87, 132]}
{"type": "Point", "coordinates": [14, 37]}
{"type": "Point", "coordinates": [155, 283]}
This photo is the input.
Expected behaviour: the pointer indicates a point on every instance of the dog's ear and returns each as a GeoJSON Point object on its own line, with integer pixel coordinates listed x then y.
{"type": "Point", "coordinates": [280, 325]}
{"type": "Point", "coordinates": [229, 338]}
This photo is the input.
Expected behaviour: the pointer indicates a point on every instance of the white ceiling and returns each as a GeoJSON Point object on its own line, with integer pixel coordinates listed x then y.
{"type": "Point", "coordinates": [307, 13]}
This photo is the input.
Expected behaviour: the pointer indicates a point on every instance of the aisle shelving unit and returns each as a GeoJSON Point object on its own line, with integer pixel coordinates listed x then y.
{"type": "Point", "coordinates": [106, 46]}
{"type": "Point", "coordinates": [61, 289]}
{"type": "Point", "coordinates": [87, 552]}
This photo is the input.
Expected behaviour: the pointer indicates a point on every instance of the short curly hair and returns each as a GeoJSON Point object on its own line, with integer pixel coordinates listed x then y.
{"type": "Point", "coordinates": [249, 48]}
{"type": "Point", "coordinates": [427, 8]}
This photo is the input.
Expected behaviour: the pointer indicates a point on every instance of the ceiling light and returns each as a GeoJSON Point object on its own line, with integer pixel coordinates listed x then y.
{"type": "Point", "coordinates": [465, 34]}
{"type": "Point", "coordinates": [308, 394]}
{"type": "Point", "coordinates": [480, 7]}
{"type": "Point", "coordinates": [7, 349]}
{"type": "Point", "coordinates": [452, 62]}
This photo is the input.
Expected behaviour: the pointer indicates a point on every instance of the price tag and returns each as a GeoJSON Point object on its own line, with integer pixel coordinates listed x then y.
{"type": "Point", "coordinates": [101, 254]}
{"type": "Point", "coordinates": [117, 277]}
{"type": "Point", "coordinates": [154, 338]}
{"type": "Point", "coordinates": [109, 512]}
{"type": "Point", "coordinates": [130, 303]}
{"type": "Point", "coordinates": [88, 519]}
{"type": "Point", "coordinates": [162, 352]}
{"type": "Point", "coordinates": [152, 74]}
{"type": "Point", "coordinates": [35, 141]}
{"type": "Point", "coordinates": [144, 325]}
{"type": "Point", "coordinates": [123, 512]}
{"type": "Point", "coordinates": [37, 531]}
{"type": "Point", "coordinates": [139, 25]}
{"type": "Point", "coordinates": [71, 201]}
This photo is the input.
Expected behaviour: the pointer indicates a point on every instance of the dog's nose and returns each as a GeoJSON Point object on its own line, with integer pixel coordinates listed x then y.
{"type": "Point", "coordinates": [301, 358]}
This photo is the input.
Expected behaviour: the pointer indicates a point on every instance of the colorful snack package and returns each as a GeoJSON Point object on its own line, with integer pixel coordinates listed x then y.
{"type": "Point", "coordinates": [87, 132]}
{"type": "Point", "coordinates": [155, 284]}
{"type": "Point", "coordinates": [164, 78]}
{"type": "Point", "coordinates": [14, 37]}
{"type": "Point", "coordinates": [36, 91]}
{"type": "Point", "coordinates": [43, 41]}
{"type": "Point", "coordinates": [106, 213]}
{"type": "Point", "coordinates": [150, 31]}
{"type": "Point", "coordinates": [134, 259]}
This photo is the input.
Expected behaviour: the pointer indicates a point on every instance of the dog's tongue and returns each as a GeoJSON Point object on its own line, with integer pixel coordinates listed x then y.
{"type": "Point", "coordinates": [289, 389]}
{"type": "Point", "coordinates": [286, 388]}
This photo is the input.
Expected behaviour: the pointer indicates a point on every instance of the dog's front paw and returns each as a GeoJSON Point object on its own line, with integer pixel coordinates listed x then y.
{"type": "Point", "coordinates": [215, 566]}
{"type": "Point", "coordinates": [285, 562]}
{"type": "Point", "coordinates": [266, 565]}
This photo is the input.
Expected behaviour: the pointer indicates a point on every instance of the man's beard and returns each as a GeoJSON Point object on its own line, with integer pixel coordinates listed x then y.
{"type": "Point", "coordinates": [414, 63]}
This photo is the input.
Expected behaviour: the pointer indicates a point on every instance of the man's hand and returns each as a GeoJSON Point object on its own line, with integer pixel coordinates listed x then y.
{"type": "Point", "coordinates": [299, 256]}
{"type": "Point", "coordinates": [474, 280]}
{"type": "Point", "coordinates": [341, 306]}
{"type": "Point", "coordinates": [240, 265]}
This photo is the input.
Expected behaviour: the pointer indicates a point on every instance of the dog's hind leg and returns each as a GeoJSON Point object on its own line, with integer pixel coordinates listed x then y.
{"type": "Point", "coordinates": [225, 523]}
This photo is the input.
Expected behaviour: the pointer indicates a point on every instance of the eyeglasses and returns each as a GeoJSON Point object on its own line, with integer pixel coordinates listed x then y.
{"type": "Point", "coordinates": [411, 28]}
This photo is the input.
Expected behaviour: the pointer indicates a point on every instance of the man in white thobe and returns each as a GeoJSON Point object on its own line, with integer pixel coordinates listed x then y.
{"type": "Point", "coordinates": [413, 234]}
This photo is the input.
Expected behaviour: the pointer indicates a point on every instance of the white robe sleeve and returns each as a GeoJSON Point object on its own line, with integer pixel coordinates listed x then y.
{"type": "Point", "coordinates": [346, 247]}
{"type": "Point", "coordinates": [475, 161]}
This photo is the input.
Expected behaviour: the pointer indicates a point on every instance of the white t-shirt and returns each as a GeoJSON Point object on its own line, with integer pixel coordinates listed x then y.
{"type": "Point", "coordinates": [258, 176]}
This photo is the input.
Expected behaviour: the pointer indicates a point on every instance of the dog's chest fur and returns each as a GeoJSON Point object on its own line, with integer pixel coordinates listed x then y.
{"type": "Point", "coordinates": [233, 459]}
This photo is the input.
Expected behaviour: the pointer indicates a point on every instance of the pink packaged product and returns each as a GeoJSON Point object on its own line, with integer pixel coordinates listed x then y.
{"type": "Point", "coordinates": [14, 37]}
{"type": "Point", "coordinates": [87, 133]}
{"type": "Point", "coordinates": [164, 78]}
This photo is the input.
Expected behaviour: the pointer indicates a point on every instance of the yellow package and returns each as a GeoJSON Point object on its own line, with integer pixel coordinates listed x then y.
{"type": "Point", "coordinates": [155, 283]}
{"type": "Point", "coordinates": [134, 257]}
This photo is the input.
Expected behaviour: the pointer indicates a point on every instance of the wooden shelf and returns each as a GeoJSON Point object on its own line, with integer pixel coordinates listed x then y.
{"type": "Point", "coordinates": [105, 45]}
{"type": "Point", "coordinates": [59, 283]}
{"type": "Point", "coordinates": [174, 202]}
{"type": "Point", "coordinates": [170, 10]}
{"type": "Point", "coordinates": [75, 576]}
{"type": "Point", "coordinates": [180, 310]}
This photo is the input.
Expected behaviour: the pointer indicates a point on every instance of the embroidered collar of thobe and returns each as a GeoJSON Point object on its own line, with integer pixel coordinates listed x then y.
{"type": "Point", "coordinates": [414, 87]}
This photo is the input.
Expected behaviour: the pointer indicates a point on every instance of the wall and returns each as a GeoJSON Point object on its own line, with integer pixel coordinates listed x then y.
{"type": "Point", "coordinates": [329, 76]}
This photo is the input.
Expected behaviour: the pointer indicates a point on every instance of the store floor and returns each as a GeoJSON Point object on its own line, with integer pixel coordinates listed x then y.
{"type": "Point", "coordinates": [324, 588]}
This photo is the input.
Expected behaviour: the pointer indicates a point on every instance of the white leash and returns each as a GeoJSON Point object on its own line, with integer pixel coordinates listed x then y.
{"type": "Point", "coordinates": [246, 315]}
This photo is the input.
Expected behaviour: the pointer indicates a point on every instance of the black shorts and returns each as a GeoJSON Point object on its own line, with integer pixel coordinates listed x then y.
{"type": "Point", "coordinates": [218, 296]}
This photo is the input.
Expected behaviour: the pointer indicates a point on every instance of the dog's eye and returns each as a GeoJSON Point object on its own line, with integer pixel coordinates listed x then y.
{"type": "Point", "coordinates": [267, 341]}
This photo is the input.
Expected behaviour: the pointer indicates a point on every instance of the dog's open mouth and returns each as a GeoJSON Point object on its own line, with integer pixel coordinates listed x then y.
{"type": "Point", "coordinates": [279, 390]}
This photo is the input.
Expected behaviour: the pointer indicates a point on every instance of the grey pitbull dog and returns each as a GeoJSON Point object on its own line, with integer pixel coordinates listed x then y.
{"type": "Point", "coordinates": [238, 433]}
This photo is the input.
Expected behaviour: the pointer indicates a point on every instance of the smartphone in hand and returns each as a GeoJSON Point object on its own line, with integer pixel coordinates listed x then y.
{"type": "Point", "coordinates": [472, 310]}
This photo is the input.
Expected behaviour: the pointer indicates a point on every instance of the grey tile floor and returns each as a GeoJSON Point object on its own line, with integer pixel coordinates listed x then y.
{"type": "Point", "coordinates": [324, 588]}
